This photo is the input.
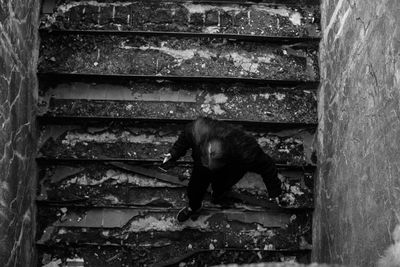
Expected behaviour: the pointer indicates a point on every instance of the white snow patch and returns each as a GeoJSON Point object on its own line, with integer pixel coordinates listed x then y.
{"type": "Point", "coordinates": [218, 98]}
{"type": "Point", "coordinates": [66, 7]}
{"type": "Point", "coordinates": [180, 55]}
{"type": "Point", "coordinates": [248, 63]}
{"type": "Point", "coordinates": [118, 178]}
{"type": "Point", "coordinates": [200, 8]}
{"type": "Point", "coordinates": [166, 223]}
{"type": "Point", "coordinates": [73, 138]}
{"type": "Point", "coordinates": [212, 103]}
{"type": "Point", "coordinates": [279, 96]}
{"type": "Point", "coordinates": [294, 16]}
{"type": "Point", "coordinates": [211, 29]}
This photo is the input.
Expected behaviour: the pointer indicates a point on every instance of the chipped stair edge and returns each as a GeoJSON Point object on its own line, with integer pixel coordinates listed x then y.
{"type": "Point", "coordinates": [58, 76]}
{"type": "Point", "coordinates": [299, 41]}
{"type": "Point", "coordinates": [48, 160]}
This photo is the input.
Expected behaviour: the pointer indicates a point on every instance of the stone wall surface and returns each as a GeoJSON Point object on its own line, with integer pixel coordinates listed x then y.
{"type": "Point", "coordinates": [18, 60]}
{"type": "Point", "coordinates": [358, 196]}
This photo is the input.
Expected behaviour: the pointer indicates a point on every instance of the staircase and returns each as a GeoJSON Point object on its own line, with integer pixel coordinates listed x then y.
{"type": "Point", "coordinates": [119, 79]}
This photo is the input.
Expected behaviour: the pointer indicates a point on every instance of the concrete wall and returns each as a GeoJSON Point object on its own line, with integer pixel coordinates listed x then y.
{"type": "Point", "coordinates": [358, 196]}
{"type": "Point", "coordinates": [18, 60]}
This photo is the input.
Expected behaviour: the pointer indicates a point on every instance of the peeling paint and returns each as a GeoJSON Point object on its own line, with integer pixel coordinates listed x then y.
{"type": "Point", "coordinates": [294, 17]}
{"type": "Point", "coordinates": [280, 97]}
{"type": "Point", "coordinates": [247, 62]}
{"type": "Point", "coordinates": [201, 8]}
{"type": "Point", "coordinates": [179, 55]}
{"type": "Point", "coordinates": [117, 177]}
{"type": "Point", "coordinates": [167, 223]}
{"type": "Point", "coordinates": [66, 7]}
{"type": "Point", "coordinates": [72, 138]}
{"type": "Point", "coordinates": [212, 104]}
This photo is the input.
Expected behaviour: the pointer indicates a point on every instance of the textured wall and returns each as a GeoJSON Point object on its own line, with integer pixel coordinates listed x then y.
{"type": "Point", "coordinates": [18, 60]}
{"type": "Point", "coordinates": [359, 131]}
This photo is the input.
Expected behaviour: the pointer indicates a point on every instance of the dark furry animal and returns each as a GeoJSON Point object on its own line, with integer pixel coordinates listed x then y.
{"type": "Point", "coordinates": [222, 154]}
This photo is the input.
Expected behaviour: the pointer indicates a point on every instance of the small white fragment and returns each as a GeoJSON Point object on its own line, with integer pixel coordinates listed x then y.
{"type": "Point", "coordinates": [55, 263]}
{"type": "Point", "coordinates": [96, 64]}
{"type": "Point", "coordinates": [62, 231]}
{"type": "Point", "coordinates": [212, 246]}
{"type": "Point", "coordinates": [105, 233]}
{"type": "Point", "coordinates": [280, 96]}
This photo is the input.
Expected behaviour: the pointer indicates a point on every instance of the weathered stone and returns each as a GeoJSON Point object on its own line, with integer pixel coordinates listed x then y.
{"type": "Point", "coordinates": [18, 50]}
{"type": "Point", "coordinates": [358, 184]}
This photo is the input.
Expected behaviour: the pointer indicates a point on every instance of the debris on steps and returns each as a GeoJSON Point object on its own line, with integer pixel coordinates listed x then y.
{"type": "Point", "coordinates": [118, 80]}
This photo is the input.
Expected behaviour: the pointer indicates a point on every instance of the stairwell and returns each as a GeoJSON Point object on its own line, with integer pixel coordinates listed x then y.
{"type": "Point", "coordinates": [117, 82]}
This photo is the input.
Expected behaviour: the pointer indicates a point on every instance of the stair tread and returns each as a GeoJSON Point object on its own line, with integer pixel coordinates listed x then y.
{"type": "Point", "coordinates": [253, 229]}
{"type": "Point", "coordinates": [187, 57]}
{"type": "Point", "coordinates": [98, 185]}
{"type": "Point", "coordinates": [294, 18]}
{"type": "Point", "coordinates": [148, 142]}
{"type": "Point", "coordinates": [168, 255]}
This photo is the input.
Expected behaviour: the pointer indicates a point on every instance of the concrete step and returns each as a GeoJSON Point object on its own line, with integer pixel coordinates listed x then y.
{"type": "Point", "coordinates": [265, 18]}
{"type": "Point", "coordinates": [99, 185]}
{"type": "Point", "coordinates": [166, 100]}
{"type": "Point", "coordinates": [152, 228]}
{"type": "Point", "coordinates": [177, 56]}
{"type": "Point", "coordinates": [150, 141]}
{"type": "Point", "coordinates": [118, 256]}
